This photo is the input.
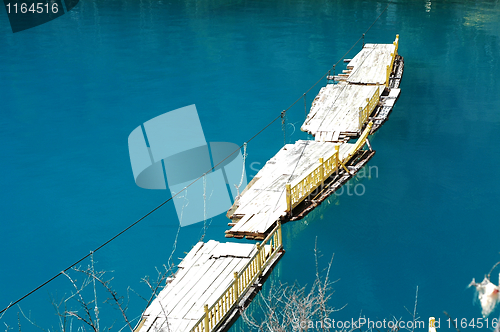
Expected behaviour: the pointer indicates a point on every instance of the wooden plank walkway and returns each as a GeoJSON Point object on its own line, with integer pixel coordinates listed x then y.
{"type": "Point", "coordinates": [215, 281]}
{"type": "Point", "coordinates": [369, 65]}
{"type": "Point", "coordinates": [337, 111]}
{"type": "Point", "coordinates": [264, 202]}
{"type": "Point", "coordinates": [303, 167]}
{"type": "Point", "coordinates": [205, 289]}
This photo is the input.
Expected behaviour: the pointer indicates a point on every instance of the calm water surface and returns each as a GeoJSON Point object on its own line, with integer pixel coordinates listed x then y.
{"type": "Point", "coordinates": [73, 89]}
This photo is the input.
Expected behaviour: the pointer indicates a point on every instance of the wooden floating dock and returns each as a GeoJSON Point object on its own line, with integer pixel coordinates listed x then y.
{"type": "Point", "coordinates": [215, 281]}
{"type": "Point", "coordinates": [341, 110]}
{"type": "Point", "coordinates": [290, 177]}
{"type": "Point", "coordinates": [363, 93]}
{"type": "Point", "coordinates": [303, 174]}
{"type": "Point", "coordinates": [265, 201]}
{"type": "Point", "coordinates": [212, 284]}
{"type": "Point", "coordinates": [373, 65]}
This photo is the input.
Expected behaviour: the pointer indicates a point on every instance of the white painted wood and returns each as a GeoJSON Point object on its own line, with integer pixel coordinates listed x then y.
{"type": "Point", "coordinates": [208, 271]}
{"type": "Point", "coordinates": [394, 93]}
{"type": "Point", "coordinates": [166, 301]}
{"type": "Point", "coordinates": [183, 274]}
{"type": "Point", "coordinates": [243, 220]}
{"type": "Point", "coordinates": [337, 109]}
{"type": "Point", "coordinates": [267, 195]}
{"type": "Point", "coordinates": [189, 296]}
{"type": "Point", "coordinates": [212, 281]}
{"type": "Point", "coordinates": [213, 296]}
{"type": "Point", "coordinates": [242, 250]}
{"type": "Point", "coordinates": [336, 135]}
{"type": "Point", "coordinates": [390, 102]}
{"type": "Point", "coordinates": [191, 254]}
{"type": "Point", "coordinates": [369, 65]}
{"type": "Point", "coordinates": [215, 285]}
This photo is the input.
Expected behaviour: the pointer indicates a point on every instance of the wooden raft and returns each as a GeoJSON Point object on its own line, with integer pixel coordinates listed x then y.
{"type": "Point", "coordinates": [337, 111]}
{"type": "Point", "coordinates": [264, 200]}
{"type": "Point", "coordinates": [215, 281]}
{"type": "Point", "coordinates": [397, 72]}
{"type": "Point", "coordinates": [389, 97]}
{"type": "Point", "coordinates": [370, 65]}
{"type": "Point", "coordinates": [211, 283]}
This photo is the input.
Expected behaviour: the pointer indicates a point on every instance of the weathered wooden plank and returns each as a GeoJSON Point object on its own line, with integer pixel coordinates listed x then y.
{"type": "Point", "coordinates": [369, 65]}
{"type": "Point", "coordinates": [389, 102]}
{"type": "Point", "coordinates": [243, 220]}
{"type": "Point", "coordinates": [266, 198]}
{"type": "Point", "coordinates": [176, 291]}
{"type": "Point", "coordinates": [265, 219]}
{"type": "Point", "coordinates": [216, 285]}
{"type": "Point", "coordinates": [394, 93]}
{"type": "Point", "coordinates": [215, 281]}
{"type": "Point", "coordinates": [237, 250]}
{"type": "Point", "coordinates": [190, 297]}
{"type": "Point", "coordinates": [243, 224]}
{"type": "Point", "coordinates": [248, 228]}
{"type": "Point", "coordinates": [339, 111]}
{"type": "Point", "coordinates": [205, 248]}
{"type": "Point", "coordinates": [186, 324]}
{"type": "Point", "coordinates": [191, 254]}
{"type": "Point", "coordinates": [160, 324]}
{"type": "Point", "coordinates": [185, 271]}
{"type": "Point", "coordinates": [211, 297]}
{"type": "Point", "coordinates": [274, 216]}
{"type": "Point", "coordinates": [210, 271]}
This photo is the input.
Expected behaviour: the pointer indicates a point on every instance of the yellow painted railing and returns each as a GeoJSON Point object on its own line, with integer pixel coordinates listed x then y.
{"type": "Point", "coordinates": [218, 312]}
{"type": "Point", "coordinates": [360, 142]}
{"type": "Point", "coordinates": [306, 185]}
{"type": "Point", "coordinates": [432, 324]}
{"type": "Point", "coordinates": [364, 112]}
{"type": "Point", "coordinates": [393, 56]}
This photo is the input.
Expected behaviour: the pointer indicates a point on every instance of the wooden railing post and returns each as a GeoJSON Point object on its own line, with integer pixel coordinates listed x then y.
{"type": "Point", "coordinates": [289, 198]}
{"type": "Point", "coordinates": [280, 239]}
{"type": "Point", "coordinates": [236, 290]}
{"type": "Point", "coordinates": [206, 327]}
{"type": "Point", "coordinates": [387, 76]}
{"type": "Point", "coordinates": [360, 118]}
{"type": "Point", "coordinates": [337, 158]}
{"type": "Point", "coordinates": [259, 261]}
{"type": "Point", "coordinates": [322, 171]}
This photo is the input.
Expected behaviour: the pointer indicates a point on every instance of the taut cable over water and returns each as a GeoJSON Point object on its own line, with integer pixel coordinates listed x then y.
{"type": "Point", "coordinates": [201, 176]}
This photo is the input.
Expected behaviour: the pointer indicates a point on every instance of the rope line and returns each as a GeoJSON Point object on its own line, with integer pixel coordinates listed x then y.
{"type": "Point", "coordinates": [204, 207]}
{"type": "Point", "coordinates": [305, 106]}
{"type": "Point", "coordinates": [137, 221]}
{"type": "Point", "coordinates": [283, 126]}
{"type": "Point", "coordinates": [242, 172]}
{"type": "Point", "coordinates": [281, 115]}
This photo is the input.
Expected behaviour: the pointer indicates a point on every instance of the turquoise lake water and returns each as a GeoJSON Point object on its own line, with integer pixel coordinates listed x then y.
{"type": "Point", "coordinates": [73, 89]}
